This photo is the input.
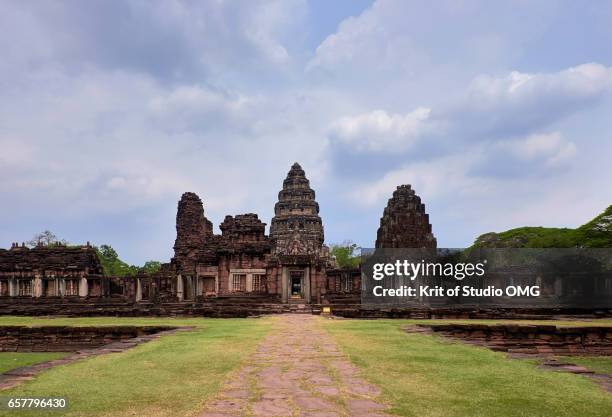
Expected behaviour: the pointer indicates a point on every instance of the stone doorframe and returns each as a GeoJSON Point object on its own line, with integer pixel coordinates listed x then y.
{"type": "Point", "coordinates": [286, 282]}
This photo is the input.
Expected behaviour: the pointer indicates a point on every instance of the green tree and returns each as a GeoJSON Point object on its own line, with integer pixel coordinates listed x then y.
{"type": "Point", "coordinates": [151, 267]}
{"type": "Point", "coordinates": [112, 265]}
{"type": "Point", "coordinates": [347, 254]}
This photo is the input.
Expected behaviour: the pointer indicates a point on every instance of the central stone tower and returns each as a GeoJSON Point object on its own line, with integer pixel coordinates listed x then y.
{"type": "Point", "coordinates": [296, 227]}
{"type": "Point", "coordinates": [296, 234]}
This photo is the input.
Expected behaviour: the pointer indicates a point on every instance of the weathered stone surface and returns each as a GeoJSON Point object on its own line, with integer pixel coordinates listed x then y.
{"type": "Point", "coordinates": [530, 339]}
{"type": "Point", "coordinates": [243, 228]}
{"type": "Point", "coordinates": [192, 227]}
{"type": "Point", "coordinates": [296, 227]}
{"type": "Point", "coordinates": [70, 339]}
{"type": "Point", "coordinates": [404, 223]}
{"type": "Point", "coordinates": [47, 260]}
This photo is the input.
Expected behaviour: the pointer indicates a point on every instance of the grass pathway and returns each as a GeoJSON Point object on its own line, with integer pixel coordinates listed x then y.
{"type": "Point", "coordinates": [171, 376]}
{"type": "Point", "coordinates": [427, 375]}
{"type": "Point", "coordinates": [297, 370]}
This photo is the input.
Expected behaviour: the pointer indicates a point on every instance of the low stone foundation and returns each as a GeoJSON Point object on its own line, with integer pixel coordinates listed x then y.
{"type": "Point", "coordinates": [529, 339]}
{"type": "Point", "coordinates": [254, 306]}
{"type": "Point", "coordinates": [69, 339]}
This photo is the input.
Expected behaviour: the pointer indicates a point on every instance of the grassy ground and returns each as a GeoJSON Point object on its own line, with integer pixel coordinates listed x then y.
{"type": "Point", "coordinates": [170, 376]}
{"type": "Point", "coordinates": [12, 360]}
{"type": "Point", "coordinates": [425, 375]}
{"type": "Point", "coordinates": [601, 365]}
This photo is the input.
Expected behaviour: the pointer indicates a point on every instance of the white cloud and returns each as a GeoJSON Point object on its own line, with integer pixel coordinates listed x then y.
{"type": "Point", "coordinates": [551, 148]}
{"type": "Point", "coordinates": [575, 84]}
{"type": "Point", "coordinates": [172, 40]}
{"type": "Point", "coordinates": [380, 131]}
{"type": "Point", "coordinates": [500, 108]}
{"type": "Point", "coordinates": [110, 127]}
{"type": "Point", "coordinates": [519, 104]}
{"type": "Point", "coordinates": [430, 180]}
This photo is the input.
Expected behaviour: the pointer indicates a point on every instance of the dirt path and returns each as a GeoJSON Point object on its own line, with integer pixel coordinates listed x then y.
{"type": "Point", "coordinates": [297, 370]}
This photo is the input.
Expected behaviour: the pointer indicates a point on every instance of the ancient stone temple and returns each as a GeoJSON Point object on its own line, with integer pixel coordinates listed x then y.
{"type": "Point", "coordinates": [404, 223]}
{"type": "Point", "coordinates": [287, 266]}
{"type": "Point", "coordinates": [51, 271]}
{"type": "Point", "coordinates": [242, 266]}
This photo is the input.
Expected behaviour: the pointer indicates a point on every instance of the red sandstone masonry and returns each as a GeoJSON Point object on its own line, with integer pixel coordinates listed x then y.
{"type": "Point", "coordinates": [531, 339]}
{"type": "Point", "coordinates": [68, 339]}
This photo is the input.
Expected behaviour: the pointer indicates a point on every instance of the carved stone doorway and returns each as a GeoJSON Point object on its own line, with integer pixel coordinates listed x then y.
{"type": "Point", "coordinates": [296, 284]}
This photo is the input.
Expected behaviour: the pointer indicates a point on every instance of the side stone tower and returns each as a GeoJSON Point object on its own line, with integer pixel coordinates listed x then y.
{"type": "Point", "coordinates": [404, 223]}
{"type": "Point", "coordinates": [296, 227]}
{"type": "Point", "coordinates": [192, 228]}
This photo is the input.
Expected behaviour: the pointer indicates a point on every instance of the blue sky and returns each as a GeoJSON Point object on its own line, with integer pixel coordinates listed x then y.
{"type": "Point", "coordinates": [498, 114]}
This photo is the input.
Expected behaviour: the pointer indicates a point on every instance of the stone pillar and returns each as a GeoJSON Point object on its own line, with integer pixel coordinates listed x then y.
{"type": "Point", "coordinates": [83, 287]}
{"type": "Point", "coordinates": [61, 290]}
{"type": "Point", "coordinates": [307, 284]}
{"type": "Point", "coordinates": [249, 282]}
{"type": "Point", "coordinates": [179, 287]}
{"type": "Point", "coordinates": [285, 284]}
{"type": "Point", "coordinates": [37, 286]}
{"type": "Point", "coordinates": [13, 287]}
{"type": "Point", "coordinates": [138, 290]}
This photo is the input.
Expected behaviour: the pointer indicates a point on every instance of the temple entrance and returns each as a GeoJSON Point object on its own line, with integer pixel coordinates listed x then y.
{"type": "Point", "coordinates": [297, 281]}
{"type": "Point", "coordinates": [296, 284]}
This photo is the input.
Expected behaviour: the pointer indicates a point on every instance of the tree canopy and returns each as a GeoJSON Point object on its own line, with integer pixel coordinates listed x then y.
{"type": "Point", "coordinates": [347, 254]}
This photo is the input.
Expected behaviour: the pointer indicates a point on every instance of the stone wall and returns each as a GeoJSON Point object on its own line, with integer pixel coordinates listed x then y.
{"type": "Point", "coordinates": [532, 339]}
{"type": "Point", "coordinates": [67, 339]}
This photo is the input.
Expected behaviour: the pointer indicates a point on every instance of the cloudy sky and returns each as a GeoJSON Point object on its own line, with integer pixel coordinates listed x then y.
{"type": "Point", "coordinates": [498, 114]}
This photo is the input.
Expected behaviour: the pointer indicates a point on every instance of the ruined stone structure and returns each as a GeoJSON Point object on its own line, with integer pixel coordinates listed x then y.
{"type": "Point", "coordinates": [51, 271]}
{"type": "Point", "coordinates": [242, 271]}
{"type": "Point", "coordinates": [241, 266]}
{"type": "Point", "coordinates": [404, 223]}
{"type": "Point", "coordinates": [287, 266]}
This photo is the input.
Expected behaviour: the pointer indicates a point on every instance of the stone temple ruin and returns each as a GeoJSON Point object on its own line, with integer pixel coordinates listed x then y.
{"type": "Point", "coordinates": [291, 265]}
{"type": "Point", "coordinates": [240, 267]}
{"type": "Point", "coordinates": [241, 271]}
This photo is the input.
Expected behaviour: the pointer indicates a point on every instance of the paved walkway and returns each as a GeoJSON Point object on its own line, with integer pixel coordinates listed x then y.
{"type": "Point", "coordinates": [296, 371]}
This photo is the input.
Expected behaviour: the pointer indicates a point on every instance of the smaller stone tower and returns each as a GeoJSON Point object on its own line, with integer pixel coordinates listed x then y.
{"type": "Point", "coordinates": [192, 228]}
{"type": "Point", "coordinates": [404, 223]}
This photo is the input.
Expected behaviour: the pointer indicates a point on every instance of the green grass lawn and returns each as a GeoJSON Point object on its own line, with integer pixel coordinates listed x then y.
{"type": "Point", "coordinates": [425, 375]}
{"type": "Point", "coordinates": [170, 376]}
{"type": "Point", "coordinates": [12, 360]}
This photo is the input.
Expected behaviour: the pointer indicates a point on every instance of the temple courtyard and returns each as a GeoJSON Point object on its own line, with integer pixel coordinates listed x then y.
{"type": "Point", "coordinates": [297, 365]}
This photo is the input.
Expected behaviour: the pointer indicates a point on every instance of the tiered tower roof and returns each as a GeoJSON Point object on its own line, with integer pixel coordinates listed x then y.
{"type": "Point", "coordinates": [296, 228]}
{"type": "Point", "coordinates": [404, 223]}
